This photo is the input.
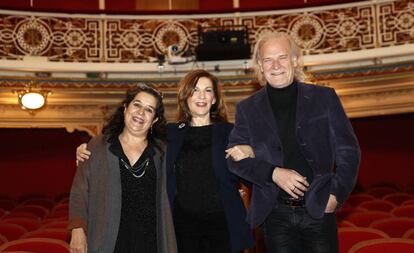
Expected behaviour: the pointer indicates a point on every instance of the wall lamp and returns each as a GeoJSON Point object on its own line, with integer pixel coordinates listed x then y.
{"type": "Point", "coordinates": [32, 98]}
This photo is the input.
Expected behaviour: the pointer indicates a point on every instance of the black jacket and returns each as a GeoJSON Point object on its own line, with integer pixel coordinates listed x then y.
{"type": "Point", "coordinates": [240, 233]}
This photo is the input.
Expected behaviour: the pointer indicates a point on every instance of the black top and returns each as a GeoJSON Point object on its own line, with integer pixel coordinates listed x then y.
{"type": "Point", "coordinates": [137, 228]}
{"type": "Point", "coordinates": [196, 182]}
{"type": "Point", "coordinates": [283, 103]}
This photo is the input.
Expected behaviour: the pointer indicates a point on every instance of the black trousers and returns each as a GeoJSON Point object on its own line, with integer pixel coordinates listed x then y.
{"type": "Point", "coordinates": [291, 230]}
{"type": "Point", "coordinates": [201, 234]}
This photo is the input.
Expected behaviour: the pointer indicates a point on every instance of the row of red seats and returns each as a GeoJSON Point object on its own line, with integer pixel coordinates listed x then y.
{"type": "Point", "coordinates": [396, 198]}
{"type": "Point", "coordinates": [34, 223]}
{"type": "Point", "coordinates": [35, 245]}
{"type": "Point", "coordinates": [7, 203]}
{"type": "Point", "coordinates": [354, 237]}
{"type": "Point", "coordinates": [378, 219]}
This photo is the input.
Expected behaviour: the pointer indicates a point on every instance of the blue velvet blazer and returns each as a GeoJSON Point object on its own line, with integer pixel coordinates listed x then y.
{"type": "Point", "coordinates": [240, 234]}
{"type": "Point", "coordinates": [326, 139]}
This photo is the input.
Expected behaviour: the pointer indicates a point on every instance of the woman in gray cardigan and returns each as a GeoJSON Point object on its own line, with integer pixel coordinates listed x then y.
{"type": "Point", "coordinates": [118, 200]}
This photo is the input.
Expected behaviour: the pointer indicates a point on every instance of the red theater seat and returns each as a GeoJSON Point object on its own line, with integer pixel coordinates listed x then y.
{"type": "Point", "coordinates": [380, 191]}
{"type": "Point", "coordinates": [345, 224]}
{"type": "Point", "coordinates": [403, 211]}
{"type": "Point", "coordinates": [62, 197]}
{"type": "Point", "coordinates": [28, 196]}
{"type": "Point", "coordinates": [385, 184]}
{"type": "Point", "coordinates": [7, 204]}
{"type": "Point", "coordinates": [409, 234]}
{"type": "Point", "coordinates": [61, 207]}
{"type": "Point", "coordinates": [398, 198]}
{"type": "Point", "coordinates": [348, 237]}
{"type": "Point", "coordinates": [37, 245]}
{"type": "Point", "coordinates": [14, 214]}
{"type": "Point", "coordinates": [11, 231]}
{"type": "Point", "coordinates": [356, 199]}
{"type": "Point", "coordinates": [392, 245]}
{"type": "Point", "coordinates": [56, 224]}
{"type": "Point", "coordinates": [343, 213]}
{"type": "Point", "coordinates": [378, 205]}
{"type": "Point", "coordinates": [364, 219]}
{"type": "Point", "coordinates": [28, 223]}
{"type": "Point", "coordinates": [394, 227]}
{"type": "Point", "coordinates": [408, 202]}
{"type": "Point", "coordinates": [17, 251]}
{"type": "Point", "coordinates": [3, 239]}
{"type": "Point", "coordinates": [45, 202]}
{"type": "Point", "coordinates": [52, 233]}
{"type": "Point", "coordinates": [410, 189]}
{"type": "Point", "coordinates": [40, 211]}
{"type": "Point", "coordinates": [58, 214]}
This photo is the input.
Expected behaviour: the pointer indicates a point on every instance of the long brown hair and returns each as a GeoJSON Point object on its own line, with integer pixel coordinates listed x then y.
{"type": "Point", "coordinates": [218, 112]}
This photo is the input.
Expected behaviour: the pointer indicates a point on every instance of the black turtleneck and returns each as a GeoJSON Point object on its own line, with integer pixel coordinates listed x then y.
{"type": "Point", "coordinates": [283, 103]}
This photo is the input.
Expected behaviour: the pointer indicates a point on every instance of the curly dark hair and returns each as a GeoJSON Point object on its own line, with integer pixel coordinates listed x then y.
{"type": "Point", "coordinates": [218, 112]}
{"type": "Point", "coordinates": [116, 124]}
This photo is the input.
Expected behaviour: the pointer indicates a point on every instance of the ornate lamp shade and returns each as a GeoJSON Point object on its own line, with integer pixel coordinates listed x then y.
{"type": "Point", "coordinates": [32, 100]}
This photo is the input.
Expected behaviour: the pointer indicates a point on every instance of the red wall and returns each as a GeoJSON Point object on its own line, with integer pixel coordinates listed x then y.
{"type": "Point", "coordinates": [37, 160]}
{"type": "Point", "coordinates": [43, 160]}
{"type": "Point", "coordinates": [387, 145]}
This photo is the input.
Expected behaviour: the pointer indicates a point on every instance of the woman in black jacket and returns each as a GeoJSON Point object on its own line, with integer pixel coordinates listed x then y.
{"type": "Point", "coordinates": [207, 208]}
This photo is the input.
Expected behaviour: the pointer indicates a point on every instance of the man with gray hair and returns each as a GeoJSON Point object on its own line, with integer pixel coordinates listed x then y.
{"type": "Point", "coordinates": [306, 155]}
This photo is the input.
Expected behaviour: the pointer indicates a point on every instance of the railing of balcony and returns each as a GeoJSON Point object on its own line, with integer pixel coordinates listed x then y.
{"type": "Point", "coordinates": [139, 39]}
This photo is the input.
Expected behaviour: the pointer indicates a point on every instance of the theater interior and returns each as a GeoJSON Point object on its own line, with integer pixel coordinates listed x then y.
{"type": "Point", "coordinates": [81, 56]}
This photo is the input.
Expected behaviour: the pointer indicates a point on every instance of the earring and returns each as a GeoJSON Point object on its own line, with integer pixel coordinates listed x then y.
{"type": "Point", "coordinates": [151, 130]}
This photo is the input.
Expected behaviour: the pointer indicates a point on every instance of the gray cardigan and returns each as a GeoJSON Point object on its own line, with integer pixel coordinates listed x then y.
{"type": "Point", "coordinates": [95, 200]}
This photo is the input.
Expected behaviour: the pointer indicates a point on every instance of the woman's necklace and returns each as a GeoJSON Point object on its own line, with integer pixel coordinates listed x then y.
{"type": "Point", "coordinates": [139, 170]}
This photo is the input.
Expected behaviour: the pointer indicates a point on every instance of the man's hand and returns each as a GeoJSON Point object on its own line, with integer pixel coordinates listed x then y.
{"type": "Point", "coordinates": [240, 152]}
{"type": "Point", "coordinates": [82, 153]}
{"type": "Point", "coordinates": [332, 204]}
{"type": "Point", "coordinates": [290, 181]}
{"type": "Point", "coordinates": [78, 242]}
